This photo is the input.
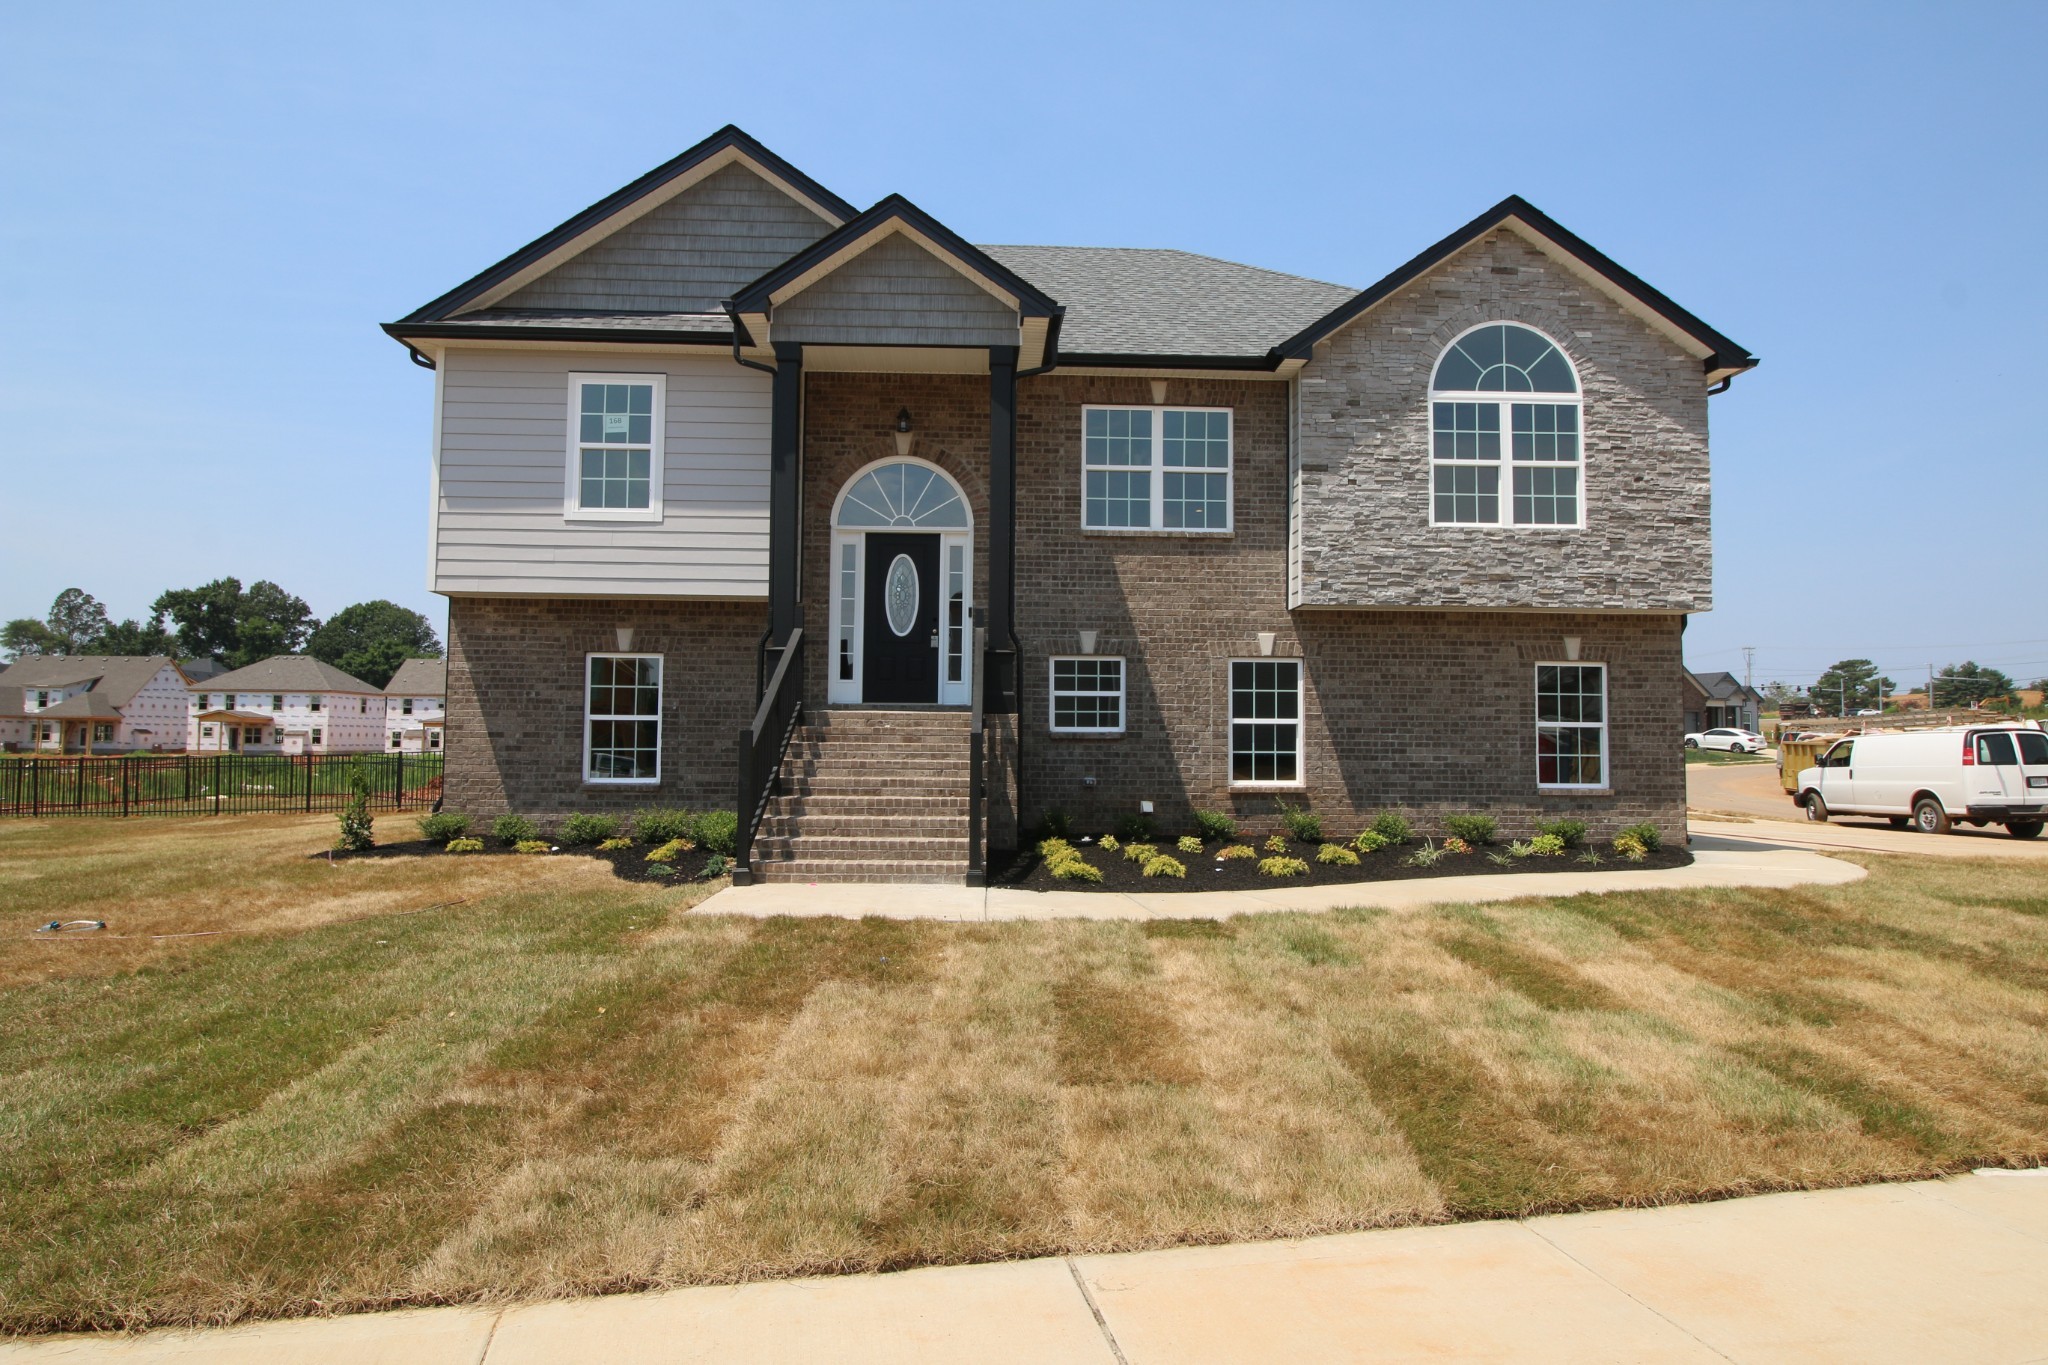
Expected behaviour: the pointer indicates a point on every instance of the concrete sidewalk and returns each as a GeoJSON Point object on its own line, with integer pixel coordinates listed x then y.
{"type": "Point", "coordinates": [1716, 862]}
{"type": "Point", "coordinates": [1952, 1270]}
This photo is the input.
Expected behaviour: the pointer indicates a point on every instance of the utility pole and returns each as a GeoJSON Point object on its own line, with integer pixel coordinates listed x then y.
{"type": "Point", "coordinates": [1749, 667]}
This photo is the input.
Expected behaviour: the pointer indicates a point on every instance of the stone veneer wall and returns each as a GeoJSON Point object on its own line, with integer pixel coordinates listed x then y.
{"type": "Point", "coordinates": [1365, 535]}
{"type": "Point", "coordinates": [515, 700]}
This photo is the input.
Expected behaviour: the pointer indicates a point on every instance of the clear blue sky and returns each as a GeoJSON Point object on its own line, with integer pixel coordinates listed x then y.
{"type": "Point", "coordinates": [205, 211]}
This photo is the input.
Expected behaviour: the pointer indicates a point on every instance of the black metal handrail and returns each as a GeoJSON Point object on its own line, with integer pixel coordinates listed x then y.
{"type": "Point", "coordinates": [762, 746]}
{"type": "Point", "coordinates": [977, 794]}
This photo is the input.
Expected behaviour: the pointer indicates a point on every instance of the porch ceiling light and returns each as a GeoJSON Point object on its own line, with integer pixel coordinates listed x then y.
{"type": "Point", "coordinates": [903, 436]}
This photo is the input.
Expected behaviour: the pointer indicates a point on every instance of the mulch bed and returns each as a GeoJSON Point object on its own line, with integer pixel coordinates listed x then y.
{"type": "Point", "coordinates": [1026, 871]}
{"type": "Point", "coordinates": [627, 864]}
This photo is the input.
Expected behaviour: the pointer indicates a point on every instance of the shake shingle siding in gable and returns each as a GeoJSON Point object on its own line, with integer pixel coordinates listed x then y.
{"type": "Point", "coordinates": [685, 256]}
{"type": "Point", "coordinates": [896, 294]}
{"type": "Point", "coordinates": [504, 454]}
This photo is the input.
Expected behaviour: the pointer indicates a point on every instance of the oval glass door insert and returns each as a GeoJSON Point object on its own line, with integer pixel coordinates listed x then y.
{"type": "Point", "coordinates": [899, 595]}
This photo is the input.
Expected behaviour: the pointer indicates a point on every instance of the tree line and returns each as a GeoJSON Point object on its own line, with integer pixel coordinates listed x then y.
{"type": "Point", "coordinates": [1853, 685]}
{"type": "Point", "coordinates": [233, 625]}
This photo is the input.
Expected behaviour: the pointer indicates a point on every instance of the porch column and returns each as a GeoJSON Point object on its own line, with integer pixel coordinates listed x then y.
{"type": "Point", "coordinates": [1001, 683]}
{"type": "Point", "coordinates": [785, 492]}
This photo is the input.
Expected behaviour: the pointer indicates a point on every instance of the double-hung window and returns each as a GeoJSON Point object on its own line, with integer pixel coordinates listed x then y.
{"type": "Point", "coordinates": [1504, 395]}
{"type": "Point", "coordinates": [622, 718]}
{"type": "Point", "coordinates": [1088, 695]}
{"type": "Point", "coordinates": [615, 446]}
{"type": "Point", "coordinates": [1571, 725]}
{"type": "Point", "coordinates": [1156, 469]}
{"type": "Point", "coordinates": [1265, 722]}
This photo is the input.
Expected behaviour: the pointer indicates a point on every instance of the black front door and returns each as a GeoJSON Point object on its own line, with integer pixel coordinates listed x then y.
{"type": "Point", "coordinates": [900, 619]}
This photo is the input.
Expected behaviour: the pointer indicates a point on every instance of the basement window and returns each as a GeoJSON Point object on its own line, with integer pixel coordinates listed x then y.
{"type": "Point", "coordinates": [1088, 695]}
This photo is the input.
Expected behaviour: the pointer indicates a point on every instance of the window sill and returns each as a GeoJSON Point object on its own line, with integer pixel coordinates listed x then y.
{"type": "Point", "coordinates": [1501, 526]}
{"type": "Point", "coordinates": [623, 515]}
{"type": "Point", "coordinates": [1269, 786]}
{"type": "Point", "coordinates": [1155, 533]}
{"type": "Point", "coordinates": [1086, 735]}
{"type": "Point", "coordinates": [621, 781]}
{"type": "Point", "coordinates": [1575, 791]}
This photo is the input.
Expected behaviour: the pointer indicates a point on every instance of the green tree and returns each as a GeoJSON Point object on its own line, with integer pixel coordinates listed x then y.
{"type": "Point", "coordinates": [25, 637]}
{"type": "Point", "coordinates": [1852, 685]}
{"type": "Point", "coordinates": [135, 637]}
{"type": "Point", "coordinates": [77, 619]}
{"type": "Point", "coordinates": [221, 621]}
{"type": "Point", "coordinates": [1970, 684]}
{"type": "Point", "coordinates": [371, 639]}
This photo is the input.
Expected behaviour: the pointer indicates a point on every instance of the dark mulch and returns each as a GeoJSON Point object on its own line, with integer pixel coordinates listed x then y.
{"type": "Point", "coordinates": [1027, 871]}
{"type": "Point", "coordinates": [628, 864]}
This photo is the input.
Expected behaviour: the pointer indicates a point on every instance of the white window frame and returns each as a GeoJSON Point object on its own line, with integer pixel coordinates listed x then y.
{"type": "Point", "coordinates": [1053, 693]}
{"type": "Point", "coordinates": [1157, 470]}
{"type": "Point", "coordinates": [1230, 722]}
{"type": "Point", "coordinates": [1603, 726]}
{"type": "Point", "coordinates": [660, 693]}
{"type": "Point", "coordinates": [1506, 464]}
{"type": "Point", "coordinates": [313, 704]}
{"type": "Point", "coordinates": [572, 465]}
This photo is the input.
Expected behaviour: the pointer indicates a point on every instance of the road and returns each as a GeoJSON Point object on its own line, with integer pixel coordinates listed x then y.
{"type": "Point", "coordinates": [1750, 791]}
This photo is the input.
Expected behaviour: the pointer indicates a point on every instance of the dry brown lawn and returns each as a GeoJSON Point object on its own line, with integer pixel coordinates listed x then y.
{"type": "Point", "coordinates": [559, 1083]}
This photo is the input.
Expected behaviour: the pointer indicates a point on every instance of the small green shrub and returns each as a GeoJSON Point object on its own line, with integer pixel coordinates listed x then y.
{"type": "Point", "coordinates": [1233, 852]}
{"type": "Point", "coordinates": [1573, 832]}
{"type": "Point", "coordinates": [1645, 834]}
{"type": "Point", "coordinates": [583, 830]}
{"type": "Point", "coordinates": [1215, 825]}
{"type": "Point", "coordinates": [1522, 848]}
{"type": "Point", "coordinates": [1189, 843]}
{"type": "Point", "coordinates": [1275, 844]}
{"type": "Point", "coordinates": [1075, 869]}
{"type": "Point", "coordinates": [513, 829]}
{"type": "Point", "coordinates": [1628, 846]}
{"type": "Point", "coordinates": [356, 825]}
{"type": "Point", "coordinates": [1429, 855]}
{"type": "Point", "coordinates": [442, 826]}
{"type": "Point", "coordinates": [1302, 823]}
{"type": "Point", "coordinates": [717, 865]}
{"type": "Point", "coordinates": [1055, 824]}
{"type": "Point", "coordinates": [718, 831]}
{"type": "Point", "coordinates": [1109, 844]}
{"type": "Point", "coordinates": [1135, 829]}
{"type": "Point", "coordinates": [1500, 859]}
{"type": "Point", "coordinates": [465, 845]}
{"type": "Point", "coordinates": [1164, 866]}
{"type": "Point", "coordinates": [614, 845]}
{"type": "Point", "coordinates": [1336, 855]}
{"type": "Point", "coordinates": [1473, 829]}
{"type": "Point", "coordinates": [1547, 846]}
{"type": "Point", "coordinates": [659, 824]}
{"type": "Point", "coordinates": [1282, 867]}
{"type": "Point", "coordinates": [1369, 841]}
{"type": "Point", "coordinates": [530, 846]}
{"type": "Point", "coordinates": [1140, 853]}
{"type": "Point", "coordinates": [1393, 827]}
{"type": "Point", "coordinates": [1591, 858]}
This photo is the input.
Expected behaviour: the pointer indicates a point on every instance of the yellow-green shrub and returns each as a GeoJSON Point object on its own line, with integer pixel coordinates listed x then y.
{"type": "Point", "coordinates": [1370, 841]}
{"type": "Point", "coordinates": [1190, 844]}
{"type": "Point", "coordinates": [614, 845]}
{"type": "Point", "coordinates": [465, 845]}
{"type": "Point", "coordinates": [530, 846]}
{"type": "Point", "coordinates": [1276, 843]}
{"type": "Point", "coordinates": [670, 851]}
{"type": "Point", "coordinates": [1165, 866]}
{"type": "Point", "coordinates": [1282, 867]}
{"type": "Point", "coordinates": [1630, 847]}
{"type": "Point", "coordinates": [1235, 851]}
{"type": "Point", "coordinates": [1336, 855]}
{"type": "Point", "coordinates": [1140, 853]}
{"type": "Point", "coordinates": [1075, 869]}
{"type": "Point", "coordinates": [1109, 844]}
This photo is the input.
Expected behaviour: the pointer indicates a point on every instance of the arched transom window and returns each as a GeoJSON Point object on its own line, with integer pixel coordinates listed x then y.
{"type": "Point", "coordinates": [1498, 380]}
{"type": "Point", "coordinates": [903, 494]}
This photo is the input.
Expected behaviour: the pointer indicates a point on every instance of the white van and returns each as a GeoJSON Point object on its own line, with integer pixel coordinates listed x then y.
{"type": "Point", "coordinates": [1978, 775]}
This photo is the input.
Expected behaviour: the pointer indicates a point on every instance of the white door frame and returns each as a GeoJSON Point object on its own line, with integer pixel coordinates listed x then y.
{"type": "Point", "coordinates": [847, 588]}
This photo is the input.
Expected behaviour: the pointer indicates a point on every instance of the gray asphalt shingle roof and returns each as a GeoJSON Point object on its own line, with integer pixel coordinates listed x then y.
{"type": "Point", "coordinates": [552, 318]}
{"type": "Point", "coordinates": [288, 673]}
{"type": "Point", "coordinates": [120, 676]}
{"type": "Point", "coordinates": [1147, 301]}
{"type": "Point", "coordinates": [419, 678]}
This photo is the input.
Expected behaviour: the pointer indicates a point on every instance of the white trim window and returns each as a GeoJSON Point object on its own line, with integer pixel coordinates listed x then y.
{"type": "Point", "coordinates": [1157, 469]}
{"type": "Point", "coordinates": [1571, 726]}
{"type": "Point", "coordinates": [615, 447]}
{"type": "Point", "coordinates": [1087, 695]}
{"type": "Point", "coordinates": [1265, 723]}
{"type": "Point", "coordinates": [622, 718]}
{"type": "Point", "coordinates": [1487, 384]}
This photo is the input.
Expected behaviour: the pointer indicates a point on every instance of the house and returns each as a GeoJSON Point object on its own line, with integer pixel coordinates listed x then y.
{"type": "Point", "coordinates": [1717, 699]}
{"type": "Point", "coordinates": [742, 494]}
{"type": "Point", "coordinates": [286, 704]}
{"type": "Point", "coordinates": [415, 706]}
{"type": "Point", "coordinates": [93, 703]}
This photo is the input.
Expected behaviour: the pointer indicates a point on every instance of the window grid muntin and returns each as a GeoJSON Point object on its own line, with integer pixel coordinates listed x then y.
{"type": "Point", "coordinates": [1571, 725]}
{"type": "Point", "coordinates": [622, 718]}
{"type": "Point", "coordinates": [956, 612]}
{"type": "Point", "coordinates": [1265, 722]}
{"type": "Point", "coordinates": [849, 606]}
{"type": "Point", "coordinates": [1087, 694]}
{"type": "Point", "coordinates": [615, 446]}
{"type": "Point", "coordinates": [1466, 427]}
{"type": "Point", "coordinates": [1157, 468]}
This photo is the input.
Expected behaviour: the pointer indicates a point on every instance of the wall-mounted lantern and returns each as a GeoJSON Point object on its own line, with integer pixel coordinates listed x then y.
{"type": "Point", "coordinates": [903, 436]}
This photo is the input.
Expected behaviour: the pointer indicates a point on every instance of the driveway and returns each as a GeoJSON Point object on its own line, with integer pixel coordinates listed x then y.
{"type": "Point", "coordinates": [1753, 807]}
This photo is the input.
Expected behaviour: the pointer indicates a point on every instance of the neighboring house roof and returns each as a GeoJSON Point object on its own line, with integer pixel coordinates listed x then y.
{"type": "Point", "coordinates": [1725, 687]}
{"type": "Point", "coordinates": [238, 717]}
{"type": "Point", "coordinates": [288, 673]}
{"type": "Point", "coordinates": [199, 670]}
{"type": "Point", "coordinates": [85, 706]}
{"type": "Point", "coordinates": [1126, 303]}
{"type": "Point", "coordinates": [10, 701]}
{"type": "Point", "coordinates": [120, 676]}
{"type": "Point", "coordinates": [419, 678]}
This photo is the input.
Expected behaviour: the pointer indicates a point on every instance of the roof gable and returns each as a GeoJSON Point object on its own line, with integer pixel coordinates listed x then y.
{"type": "Point", "coordinates": [728, 147]}
{"type": "Point", "coordinates": [419, 678]}
{"type": "Point", "coordinates": [287, 673]}
{"type": "Point", "coordinates": [1720, 358]}
{"type": "Point", "coordinates": [120, 676]}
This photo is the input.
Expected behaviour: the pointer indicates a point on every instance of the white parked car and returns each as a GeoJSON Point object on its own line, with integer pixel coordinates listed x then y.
{"type": "Point", "coordinates": [1735, 741]}
{"type": "Point", "coordinates": [1975, 775]}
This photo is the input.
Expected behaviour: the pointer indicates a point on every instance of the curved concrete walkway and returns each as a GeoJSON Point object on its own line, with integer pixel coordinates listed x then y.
{"type": "Point", "coordinates": [1935, 1271]}
{"type": "Point", "coordinates": [1716, 862]}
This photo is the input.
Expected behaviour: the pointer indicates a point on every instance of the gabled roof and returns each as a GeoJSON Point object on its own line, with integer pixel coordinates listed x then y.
{"type": "Point", "coordinates": [606, 213]}
{"type": "Point", "coordinates": [1724, 685]}
{"type": "Point", "coordinates": [1126, 305]}
{"type": "Point", "coordinates": [120, 676]}
{"type": "Point", "coordinates": [1720, 357]}
{"type": "Point", "coordinates": [287, 673]}
{"type": "Point", "coordinates": [893, 214]}
{"type": "Point", "coordinates": [85, 706]}
{"type": "Point", "coordinates": [419, 678]}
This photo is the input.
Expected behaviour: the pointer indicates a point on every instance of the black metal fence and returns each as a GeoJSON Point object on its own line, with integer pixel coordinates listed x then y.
{"type": "Point", "coordinates": [214, 784]}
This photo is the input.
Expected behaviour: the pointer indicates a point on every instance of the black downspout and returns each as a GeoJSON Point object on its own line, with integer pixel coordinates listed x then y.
{"type": "Point", "coordinates": [785, 491]}
{"type": "Point", "coordinates": [1002, 517]}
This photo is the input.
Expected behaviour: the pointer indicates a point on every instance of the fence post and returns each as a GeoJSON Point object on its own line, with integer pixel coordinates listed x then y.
{"type": "Point", "coordinates": [124, 789]}
{"type": "Point", "coordinates": [217, 790]}
{"type": "Point", "coordinates": [309, 784]}
{"type": "Point", "coordinates": [35, 786]}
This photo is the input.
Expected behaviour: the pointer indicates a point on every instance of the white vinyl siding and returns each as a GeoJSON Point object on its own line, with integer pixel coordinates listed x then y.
{"type": "Point", "coordinates": [504, 434]}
